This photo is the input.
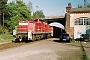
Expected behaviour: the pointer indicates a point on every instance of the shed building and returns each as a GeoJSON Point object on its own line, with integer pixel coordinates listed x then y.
{"type": "Point", "coordinates": [77, 21]}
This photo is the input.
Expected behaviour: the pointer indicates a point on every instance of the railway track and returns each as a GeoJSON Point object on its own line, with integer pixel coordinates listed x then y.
{"type": "Point", "coordinates": [9, 45]}
{"type": "Point", "coordinates": [13, 44]}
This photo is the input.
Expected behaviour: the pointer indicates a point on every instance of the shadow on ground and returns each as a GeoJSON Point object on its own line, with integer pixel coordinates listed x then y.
{"type": "Point", "coordinates": [58, 41]}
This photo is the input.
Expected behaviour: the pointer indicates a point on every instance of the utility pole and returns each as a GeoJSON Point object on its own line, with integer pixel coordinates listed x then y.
{"type": "Point", "coordinates": [85, 2]}
{"type": "Point", "coordinates": [36, 12]}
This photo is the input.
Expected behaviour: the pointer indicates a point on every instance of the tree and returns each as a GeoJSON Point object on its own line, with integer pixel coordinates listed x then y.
{"type": "Point", "coordinates": [16, 12]}
{"type": "Point", "coordinates": [0, 30]}
{"type": "Point", "coordinates": [88, 5]}
{"type": "Point", "coordinates": [29, 6]}
{"type": "Point", "coordinates": [3, 4]}
{"type": "Point", "coordinates": [80, 6]}
{"type": "Point", "coordinates": [84, 6]}
{"type": "Point", "coordinates": [38, 14]}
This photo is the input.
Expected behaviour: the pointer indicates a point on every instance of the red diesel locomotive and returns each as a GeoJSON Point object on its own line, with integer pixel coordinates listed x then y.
{"type": "Point", "coordinates": [33, 30]}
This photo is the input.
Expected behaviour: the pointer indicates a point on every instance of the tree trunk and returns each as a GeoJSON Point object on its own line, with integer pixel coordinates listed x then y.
{"type": "Point", "coordinates": [3, 23]}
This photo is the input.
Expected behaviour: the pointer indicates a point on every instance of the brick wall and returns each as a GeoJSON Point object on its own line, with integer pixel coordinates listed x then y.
{"type": "Point", "coordinates": [69, 29]}
{"type": "Point", "coordinates": [72, 31]}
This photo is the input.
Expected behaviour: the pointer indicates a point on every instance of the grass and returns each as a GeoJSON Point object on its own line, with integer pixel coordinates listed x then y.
{"type": "Point", "coordinates": [85, 57]}
{"type": "Point", "coordinates": [73, 40]}
{"type": "Point", "coordinates": [6, 38]}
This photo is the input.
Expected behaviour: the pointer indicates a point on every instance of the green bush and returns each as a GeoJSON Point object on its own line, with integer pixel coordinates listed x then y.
{"type": "Point", "coordinates": [6, 38]}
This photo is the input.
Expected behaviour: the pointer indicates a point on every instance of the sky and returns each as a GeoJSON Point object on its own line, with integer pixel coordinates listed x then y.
{"type": "Point", "coordinates": [53, 7]}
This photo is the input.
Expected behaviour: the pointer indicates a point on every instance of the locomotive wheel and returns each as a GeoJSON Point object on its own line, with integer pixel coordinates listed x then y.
{"type": "Point", "coordinates": [17, 40]}
{"type": "Point", "coordinates": [20, 38]}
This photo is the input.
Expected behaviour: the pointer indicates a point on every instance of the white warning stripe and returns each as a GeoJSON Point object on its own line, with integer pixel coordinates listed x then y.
{"type": "Point", "coordinates": [23, 23]}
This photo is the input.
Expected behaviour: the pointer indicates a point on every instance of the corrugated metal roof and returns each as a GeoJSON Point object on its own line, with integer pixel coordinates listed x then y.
{"type": "Point", "coordinates": [81, 10]}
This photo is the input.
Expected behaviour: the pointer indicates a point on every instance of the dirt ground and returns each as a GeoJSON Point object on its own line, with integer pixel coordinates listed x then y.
{"type": "Point", "coordinates": [50, 49]}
